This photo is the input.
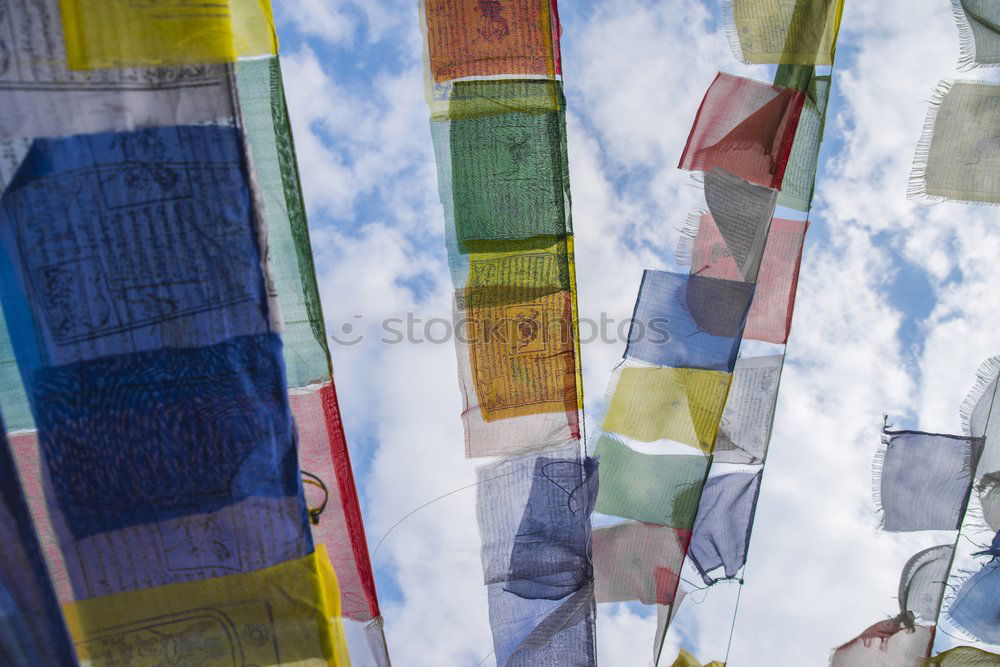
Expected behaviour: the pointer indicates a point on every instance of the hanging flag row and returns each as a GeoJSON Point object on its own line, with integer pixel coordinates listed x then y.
{"type": "Point", "coordinates": [498, 123]}
{"type": "Point", "coordinates": [757, 147]}
{"type": "Point", "coordinates": [165, 379]}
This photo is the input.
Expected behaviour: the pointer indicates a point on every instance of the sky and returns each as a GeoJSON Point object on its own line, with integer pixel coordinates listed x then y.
{"type": "Point", "coordinates": [896, 303]}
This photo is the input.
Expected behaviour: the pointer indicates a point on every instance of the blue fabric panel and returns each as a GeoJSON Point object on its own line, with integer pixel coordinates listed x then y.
{"type": "Point", "coordinates": [149, 436]}
{"type": "Point", "coordinates": [32, 631]}
{"type": "Point", "coordinates": [550, 558]}
{"type": "Point", "coordinates": [124, 242]}
{"type": "Point", "coordinates": [925, 480]}
{"type": "Point", "coordinates": [543, 633]}
{"type": "Point", "coordinates": [722, 530]}
{"type": "Point", "coordinates": [976, 607]}
{"type": "Point", "coordinates": [686, 321]}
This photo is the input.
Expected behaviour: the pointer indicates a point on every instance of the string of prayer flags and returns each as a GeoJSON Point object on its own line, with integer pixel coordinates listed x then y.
{"type": "Point", "coordinates": [330, 492]}
{"type": "Point", "coordinates": [687, 321]}
{"type": "Point", "coordinates": [722, 529]}
{"type": "Point", "coordinates": [802, 32]}
{"type": "Point", "coordinates": [32, 630]}
{"type": "Point", "coordinates": [176, 237]}
{"type": "Point", "coordinates": [745, 429]}
{"type": "Point", "coordinates": [957, 157]}
{"type": "Point", "coordinates": [965, 656]}
{"type": "Point", "coordinates": [745, 127]}
{"type": "Point", "coordinates": [923, 479]}
{"type": "Point", "coordinates": [800, 173]}
{"type": "Point", "coordinates": [770, 316]}
{"type": "Point", "coordinates": [978, 32]}
{"type": "Point", "coordinates": [499, 132]}
{"type": "Point", "coordinates": [638, 561]}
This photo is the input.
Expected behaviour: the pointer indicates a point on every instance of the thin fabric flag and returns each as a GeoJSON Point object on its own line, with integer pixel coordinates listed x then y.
{"type": "Point", "coordinates": [745, 429]}
{"type": "Point", "coordinates": [687, 321]}
{"type": "Point", "coordinates": [976, 607]}
{"type": "Point", "coordinates": [742, 213]}
{"type": "Point", "coordinates": [657, 489]}
{"type": "Point", "coordinates": [800, 174]}
{"type": "Point", "coordinates": [534, 519]}
{"type": "Point", "coordinates": [988, 489]}
{"type": "Point", "coordinates": [32, 630]}
{"type": "Point", "coordinates": [770, 316]}
{"type": "Point", "coordinates": [889, 643]}
{"type": "Point", "coordinates": [680, 404]}
{"type": "Point", "coordinates": [745, 127]}
{"type": "Point", "coordinates": [922, 583]}
{"type": "Point", "coordinates": [722, 530]}
{"type": "Point", "coordinates": [922, 480]}
{"type": "Point", "coordinates": [958, 157]}
{"type": "Point", "coordinates": [685, 659]}
{"type": "Point", "coordinates": [636, 561]}
{"type": "Point", "coordinates": [498, 125]}
{"type": "Point", "coordinates": [800, 32]}
{"type": "Point", "coordinates": [978, 32]}
{"type": "Point", "coordinates": [965, 656]}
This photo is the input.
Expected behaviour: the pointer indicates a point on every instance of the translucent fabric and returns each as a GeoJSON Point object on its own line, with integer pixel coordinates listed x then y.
{"type": "Point", "coordinates": [482, 39]}
{"type": "Point", "coordinates": [988, 489]}
{"type": "Point", "coordinates": [958, 157]}
{"type": "Point", "coordinates": [492, 158]}
{"type": "Point", "coordinates": [745, 429]}
{"type": "Point", "coordinates": [323, 451]}
{"type": "Point", "coordinates": [44, 97]}
{"type": "Point", "coordinates": [886, 644]}
{"type": "Point", "coordinates": [742, 215]}
{"type": "Point", "coordinates": [32, 630]}
{"type": "Point", "coordinates": [800, 174]}
{"type": "Point", "coordinates": [965, 656]}
{"type": "Point", "coordinates": [722, 530]}
{"type": "Point", "coordinates": [770, 315]}
{"type": "Point", "coordinates": [124, 33]}
{"type": "Point", "coordinates": [775, 31]}
{"type": "Point", "coordinates": [685, 659]}
{"type": "Point", "coordinates": [976, 607]}
{"type": "Point", "coordinates": [745, 127]}
{"type": "Point", "coordinates": [534, 520]}
{"type": "Point", "coordinates": [658, 489]}
{"type": "Point", "coordinates": [680, 404]}
{"type": "Point", "coordinates": [979, 32]}
{"type": "Point", "coordinates": [638, 561]}
{"type": "Point", "coordinates": [286, 614]}
{"type": "Point", "coordinates": [688, 321]}
{"type": "Point", "coordinates": [923, 479]}
{"type": "Point", "coordinates": [922, 584]}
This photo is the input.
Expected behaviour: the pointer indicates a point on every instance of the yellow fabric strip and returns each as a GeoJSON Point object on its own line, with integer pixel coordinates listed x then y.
{"type": "Point", "coordinates": [685, 659]}
{"type": "Point", "coordinates": [287, 614]}
{"type": "Point", "coordinates": [802, 32]}
{"type": "Point", "coordinates": [680, 404]}
{"type": "Point", "coordinates": [135, 33]}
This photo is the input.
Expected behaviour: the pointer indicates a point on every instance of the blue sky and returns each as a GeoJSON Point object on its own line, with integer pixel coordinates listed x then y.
{"type": "Point", "coordinates": [896, 305]}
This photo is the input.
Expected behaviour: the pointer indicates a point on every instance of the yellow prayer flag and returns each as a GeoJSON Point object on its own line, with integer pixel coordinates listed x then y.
{"type": "Point", "coordinates": [285, 614]}
{"type": "Point", "coordinates": [146, 33]}
{"type": "Point", "coordinates": [680, 404]}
